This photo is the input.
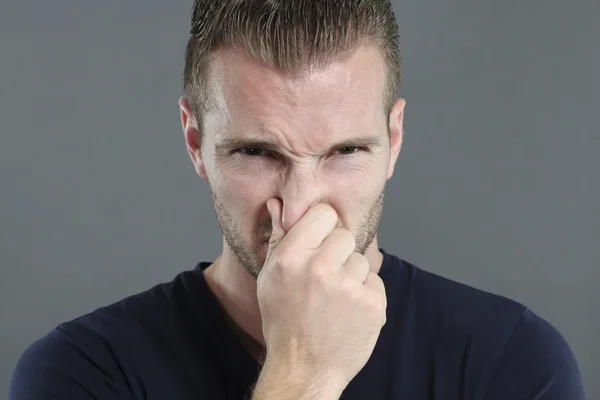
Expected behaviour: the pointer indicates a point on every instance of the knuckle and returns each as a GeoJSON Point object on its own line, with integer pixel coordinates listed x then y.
{"type": "Point", "coordinates": [320, 269]}
{"type": "Point", "coordinates": [351, 290]}
{"type": "Point", "coordinates": [284, 259]}
{"type": "Point", "coordinates": [376, 304]}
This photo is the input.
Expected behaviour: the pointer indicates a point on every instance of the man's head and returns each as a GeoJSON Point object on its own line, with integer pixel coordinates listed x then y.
{"type": "Point", "coordinates": [292, 99]}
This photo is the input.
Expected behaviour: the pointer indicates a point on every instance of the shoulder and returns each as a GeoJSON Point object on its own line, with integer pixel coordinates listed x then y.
{"type": "Point", "coordinates": [438, 304]}
{"type": "Point", "coordinates": [502, 347]}
{"type": "Point", "coordinates": [68, 362]}
{"type": "Point", "coordinates": [536, 362]}
{"type": "Point", "coordinates": [94, 353]}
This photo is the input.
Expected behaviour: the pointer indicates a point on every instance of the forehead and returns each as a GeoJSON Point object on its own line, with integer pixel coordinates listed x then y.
{"type": "Point", "coordinates": [358, 80]}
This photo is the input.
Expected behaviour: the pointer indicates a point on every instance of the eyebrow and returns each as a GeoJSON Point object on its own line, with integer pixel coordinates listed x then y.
{"type": "Point", "coordinates": [245, 143]}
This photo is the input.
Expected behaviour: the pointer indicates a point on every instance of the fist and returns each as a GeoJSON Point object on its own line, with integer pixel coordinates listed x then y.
{"type": "Point", "coordinates": [322, 308]}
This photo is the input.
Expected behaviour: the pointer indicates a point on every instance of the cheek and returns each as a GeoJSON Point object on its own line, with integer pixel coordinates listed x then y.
{"type": "Point", "coordinates": [235, 172]}
{"type": "Point", "coordinates": [354, 194]}
{"type": "Point", "coordinates": [243, 195]}
{"type": "Point", "coordinates": [357, 180]}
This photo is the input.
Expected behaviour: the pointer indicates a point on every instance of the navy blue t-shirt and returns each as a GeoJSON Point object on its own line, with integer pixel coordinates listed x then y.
{"type": "Point", "coordinates": [442, 340]}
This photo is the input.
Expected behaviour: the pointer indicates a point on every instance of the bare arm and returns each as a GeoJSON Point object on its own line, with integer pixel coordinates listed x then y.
{"type": "Point", "coordinates": [289, 382]}
{"type": "Point", "coordinates": [322, 308]}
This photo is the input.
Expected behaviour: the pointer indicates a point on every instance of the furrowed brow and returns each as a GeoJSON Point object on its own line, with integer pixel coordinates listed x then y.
{"type": "Point", "coordinates": [244, 143]}
{"type": "Point", "coordinates": [371, 141]}
{"type": "Point", "coordinates": [227, 145]}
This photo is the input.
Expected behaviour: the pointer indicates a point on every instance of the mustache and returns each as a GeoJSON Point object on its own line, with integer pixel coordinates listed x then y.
{"type": "Point", "coordinates": [265, 227]}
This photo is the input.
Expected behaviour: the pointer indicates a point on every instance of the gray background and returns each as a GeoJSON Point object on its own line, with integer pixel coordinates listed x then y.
{"type": "Point", "coordinates": [497, 185]}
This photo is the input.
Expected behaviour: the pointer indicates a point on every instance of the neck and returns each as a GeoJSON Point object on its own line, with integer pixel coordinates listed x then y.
{"type": "Point", "coordinates": [235, 289]}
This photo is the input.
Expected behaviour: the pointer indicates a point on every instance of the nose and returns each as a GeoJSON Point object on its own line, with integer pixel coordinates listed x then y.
{"type": "Point", "coordinates": [300, 191]}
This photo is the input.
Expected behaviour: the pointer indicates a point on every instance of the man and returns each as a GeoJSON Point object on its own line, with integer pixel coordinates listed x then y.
{"type": "Point", "coordinates": [290, 116]}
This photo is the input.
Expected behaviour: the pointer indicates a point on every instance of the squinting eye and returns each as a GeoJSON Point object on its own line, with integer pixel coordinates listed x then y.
{"type": "Point", "coordinates": [349, 150]}
{"type": "Point", "coordinates": [252, 151]}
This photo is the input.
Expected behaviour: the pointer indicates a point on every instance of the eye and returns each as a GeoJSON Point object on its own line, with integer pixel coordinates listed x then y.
{"type": "Point", "coordinates": [349, 150]}
{"type": "Point", "coordinates": [252, 151]}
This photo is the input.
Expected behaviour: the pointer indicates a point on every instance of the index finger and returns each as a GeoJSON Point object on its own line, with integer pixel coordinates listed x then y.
{"type": "Point", "coordinates": [312, 228]}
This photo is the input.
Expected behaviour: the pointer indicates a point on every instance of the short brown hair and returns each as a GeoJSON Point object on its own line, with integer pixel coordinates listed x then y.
{"type": "Point", "coordinates": [292, 36]}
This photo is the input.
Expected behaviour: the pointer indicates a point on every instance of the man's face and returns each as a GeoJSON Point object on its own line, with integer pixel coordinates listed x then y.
{"type": "Point", "coordinates": [319, 139]}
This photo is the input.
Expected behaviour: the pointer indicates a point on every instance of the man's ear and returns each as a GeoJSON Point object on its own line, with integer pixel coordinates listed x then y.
{"type": "Point", "coordinates": [396, 133]}
{"type": "Point", "coordinates": [192, 139]}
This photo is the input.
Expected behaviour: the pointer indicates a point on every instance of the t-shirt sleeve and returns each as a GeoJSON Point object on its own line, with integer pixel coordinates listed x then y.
{"type": "Point", "coordinates": [60, 366]}
{"type": "Point", "coordinates": [536, 363]}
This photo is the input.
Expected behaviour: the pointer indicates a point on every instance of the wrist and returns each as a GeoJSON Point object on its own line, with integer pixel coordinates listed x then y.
{"type": "Point", "coordinates": [287, 380]}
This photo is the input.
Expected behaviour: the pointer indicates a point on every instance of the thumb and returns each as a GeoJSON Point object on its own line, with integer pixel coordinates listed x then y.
{"type": "Point", "coordinates": [275, 210]}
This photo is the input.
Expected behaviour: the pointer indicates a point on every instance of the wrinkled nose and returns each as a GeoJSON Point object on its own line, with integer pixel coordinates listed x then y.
{"type": "Point", "coordinates": [300, 191]}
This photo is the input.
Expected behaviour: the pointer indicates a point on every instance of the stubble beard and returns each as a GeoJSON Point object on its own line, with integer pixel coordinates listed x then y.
{"type": "Point", "coordinates": [251, 254]}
